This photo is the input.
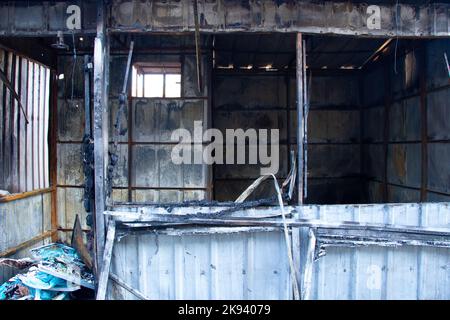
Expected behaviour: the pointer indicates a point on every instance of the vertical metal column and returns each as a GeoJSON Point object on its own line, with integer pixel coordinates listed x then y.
{"type": "Point", "coordinates": [423, 124]}
{"type": "Point", "coordinates": [300, 124]}
{"type": "Point", "coordinates": [386, 129]}
{"type": "Point", "coordinates": [53, 152]}
{"type": "Point", "coordinates": [299, 233]}
{"type": "Point", "coordinates": [100, 133]}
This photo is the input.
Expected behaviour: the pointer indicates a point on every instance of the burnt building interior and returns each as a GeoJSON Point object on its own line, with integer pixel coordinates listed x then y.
{"type": "Point", "coordinates": [248, 82]}
{"type": "Point", "coordinates": [375, 136]}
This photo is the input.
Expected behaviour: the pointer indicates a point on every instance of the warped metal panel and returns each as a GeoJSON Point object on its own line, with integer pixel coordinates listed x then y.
{"type": "Point", "coordinates": [254, 265]}
{"type": "Point", "coordinates": [20, 221]}
{"type": "Point", "coordinates": [374, 272]}
{"type": "Point", "coordinates": [251, 265]}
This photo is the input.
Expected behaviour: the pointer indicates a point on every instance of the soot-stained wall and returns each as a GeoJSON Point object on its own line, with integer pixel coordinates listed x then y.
{"type": "Point", "coordinates": [268, 101]}
{"type": "Point", "coordinates": [146, 173]}
{"type": "Point", "coordinates": [152, 176]}
{"type": "Point", "coordinates": [406, 126]}
{"type": "Point", "coordinates": [346, 133]}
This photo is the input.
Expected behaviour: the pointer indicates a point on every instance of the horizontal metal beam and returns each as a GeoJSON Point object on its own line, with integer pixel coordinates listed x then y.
{"type": "Point", "coordinates": [355, 238]}
{"type": "Point", "coordinates": [124, 285]}
{"type": "Point", "coordinates": [192, 231]}
{"type": "Point", "coordinates": [343, 17]}
{"type": "Point", "coordinates": [23, 195]}
{"type": "Point", "coordinates": [46, 18]}
{"type": "Point", "coordinates": [331, 233]}
{"type": "Point", "coordinates": [26, 244]}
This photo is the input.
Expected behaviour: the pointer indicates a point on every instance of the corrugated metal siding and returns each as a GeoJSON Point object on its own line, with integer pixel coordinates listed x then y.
{"type": "Point", "coordinates": [404, 127]}
{"type": "Point", "coordinates": [255, 266]}
{"type": "Point", "coordinates": [226, 266]}
{"type": "Point", "coordinates": [380, 272]}
{"type": "Point", "coordinates": [24, 147]}
{"type": "Point", "coordinates": [20, 221]}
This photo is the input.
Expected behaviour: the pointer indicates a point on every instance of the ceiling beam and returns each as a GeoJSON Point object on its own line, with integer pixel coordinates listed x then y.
{"type": "Point", "coordinates": [27, 18]}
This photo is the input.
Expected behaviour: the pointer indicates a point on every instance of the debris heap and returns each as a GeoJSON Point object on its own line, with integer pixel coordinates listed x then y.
{"type": "Point", "coordinates": [55, 272]}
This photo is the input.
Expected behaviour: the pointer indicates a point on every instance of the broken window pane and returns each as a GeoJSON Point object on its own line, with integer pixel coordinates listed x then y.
{"type": "Point", "coordinates": [173, 85]}
{"type": "Point", "coordinates": [140, 85]}
{"type": "Point", "coordinates": [153, 85]}
{"type": "Point", "coordinates": [156, 80]}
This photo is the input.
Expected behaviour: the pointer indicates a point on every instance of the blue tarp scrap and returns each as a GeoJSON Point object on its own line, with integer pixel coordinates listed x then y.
{"type": "Point", "coordinates": [37, 284]}
{"type": "Point", "coordinates": [63, 261]}
{"type": "Point", "coordinates": [13, 289]}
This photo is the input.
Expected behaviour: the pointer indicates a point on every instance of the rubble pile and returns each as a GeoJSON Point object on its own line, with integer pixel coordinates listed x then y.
{"type": "Point", "coordinates": [55, 272]}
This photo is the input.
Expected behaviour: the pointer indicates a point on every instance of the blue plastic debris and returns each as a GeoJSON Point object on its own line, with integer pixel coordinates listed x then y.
{"type": "Point", "coordinates": [63, 262]}
{"type": "Point", "coordinates": [59, 271]}
{"type": "Point", "coordinates": [9, 290]}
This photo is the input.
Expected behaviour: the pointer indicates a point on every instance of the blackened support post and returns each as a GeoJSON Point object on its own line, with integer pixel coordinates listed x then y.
{"type": "Point", "coordinates": [100, 132]}
{"type": "Point", "coordinates": [106, 261]}
{"type": "Point", "coordinates": [53, 152]}
{"type": "Point", "coordinates": [197, 48]}
{"type": "Point", "coordinates": [387, 107]}
{"type": "Point", "coordinates": [87, 95]}
{"type": "Point", "coordinates": [423, 125]}
{"type": "Point", "coordinates": [299, 233]}
{"type": "Point", "coordinates": [300, 124]}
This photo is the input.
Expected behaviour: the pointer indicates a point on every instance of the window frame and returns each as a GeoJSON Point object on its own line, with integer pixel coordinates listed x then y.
{"type": "Point", "coordinates": [164, 69]}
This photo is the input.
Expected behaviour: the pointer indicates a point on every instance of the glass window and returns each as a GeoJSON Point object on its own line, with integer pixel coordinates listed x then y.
{"type": "Point", "coordinates": [156, 81]}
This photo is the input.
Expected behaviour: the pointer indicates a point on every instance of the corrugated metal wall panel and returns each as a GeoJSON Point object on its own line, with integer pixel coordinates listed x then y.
{"type": "Point", "coordinates": [20, 221]}
{"type": "Point", "coordinates": [255, 265]}
{"type": "Point", "coordinates": [216, 266]}
{"type": "Point", "coordinates": [404, 126]}
{"type": "Point", "coordinates": [24, 145]}
{"type": "Point", "coordinates": [380, 272]}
